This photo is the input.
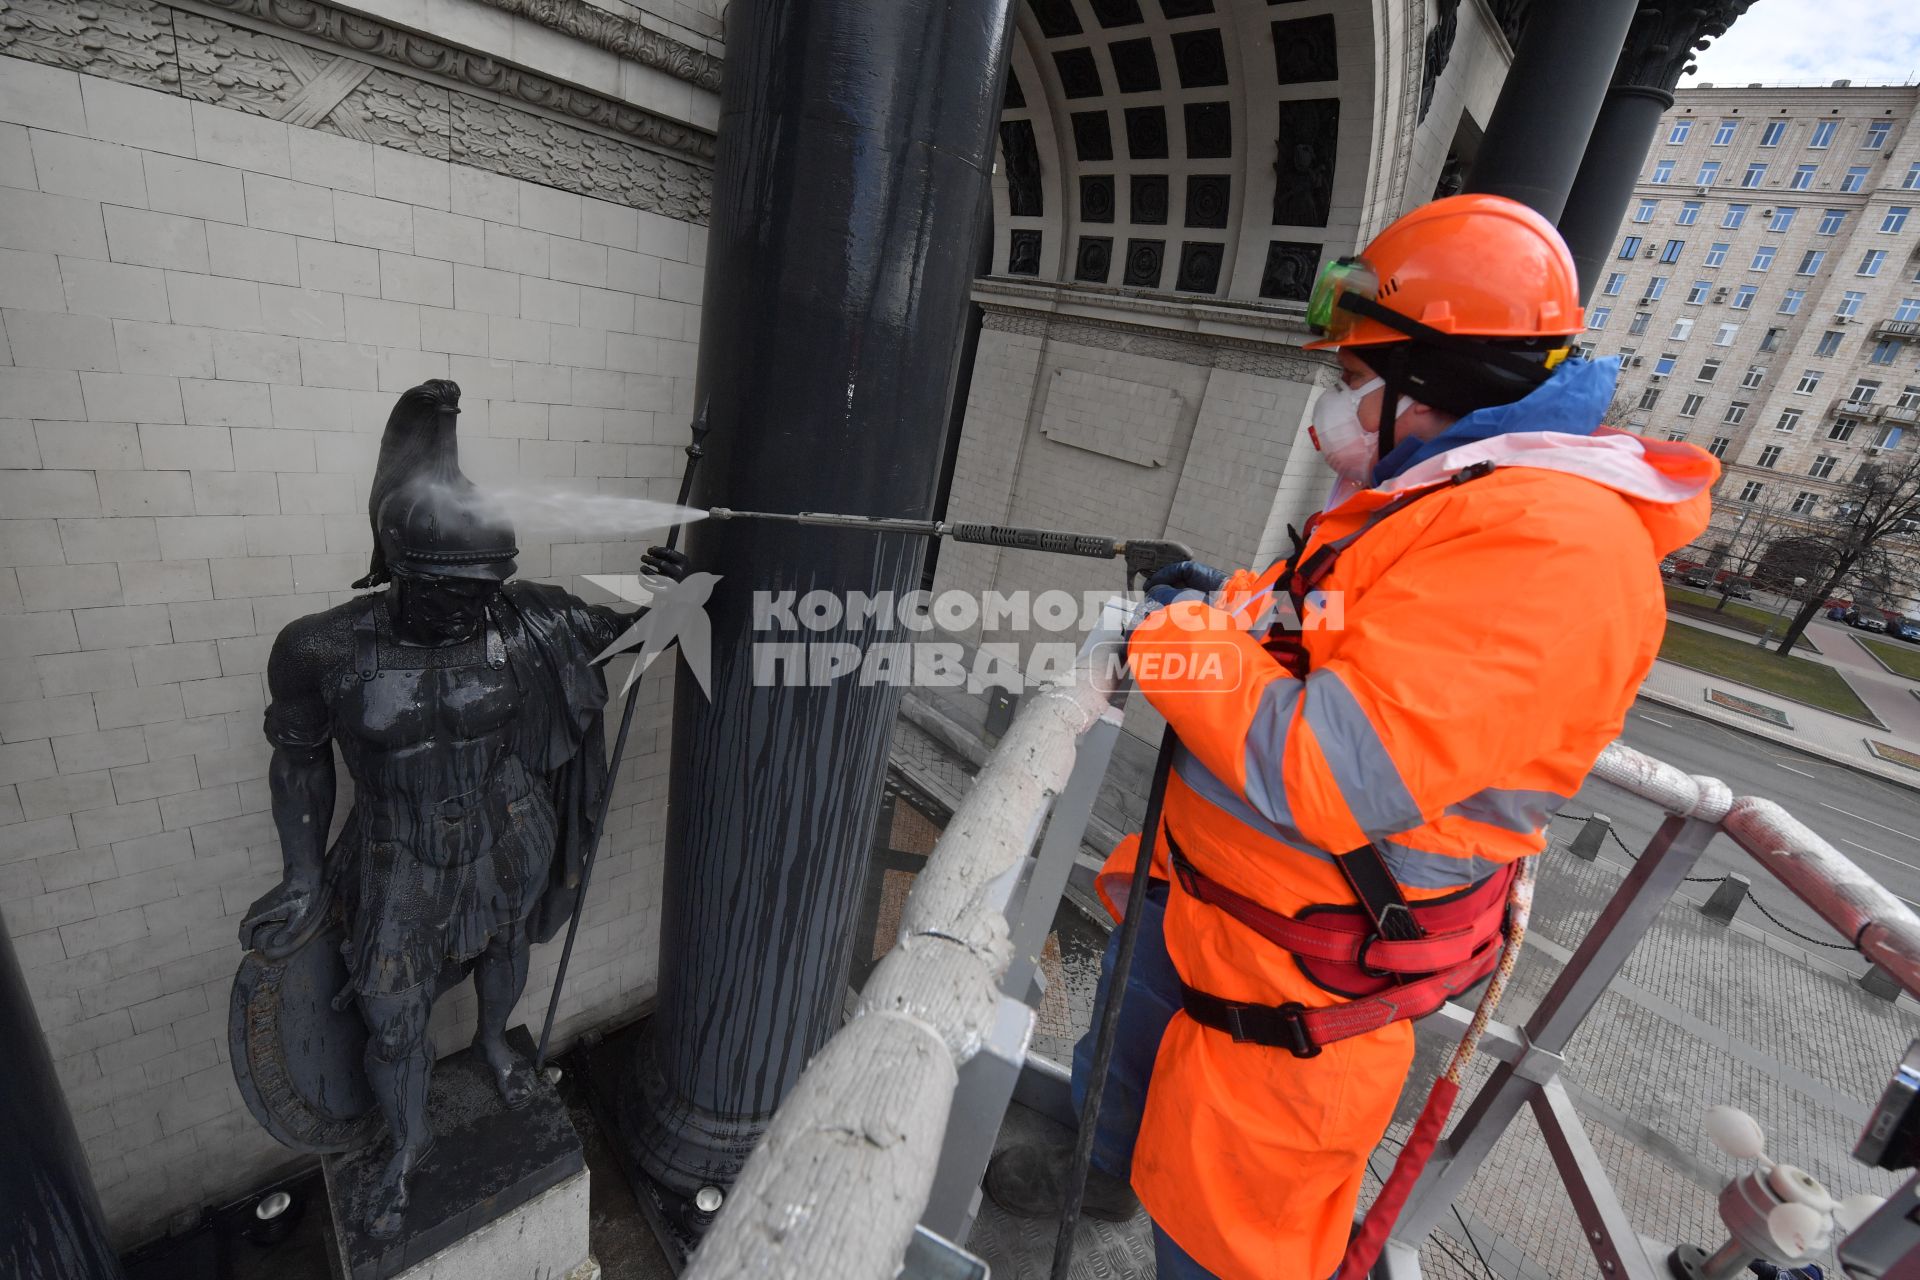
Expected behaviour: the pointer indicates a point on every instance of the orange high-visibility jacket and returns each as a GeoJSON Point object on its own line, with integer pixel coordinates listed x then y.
{"type": "Point", "coordinates": [1489, 641]}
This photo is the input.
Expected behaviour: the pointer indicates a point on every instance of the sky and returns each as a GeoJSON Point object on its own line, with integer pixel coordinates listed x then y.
{"type": "Point", "coordinates": [1816, 41]}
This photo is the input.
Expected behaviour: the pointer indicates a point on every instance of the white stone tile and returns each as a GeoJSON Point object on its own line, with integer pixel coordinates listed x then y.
{"type": "Point", "coordinates": [111, 289]}
{"type": "Point", "coordinates": [482, 378]}
{"type": "Point", "coordinates": [272, 449]}
{"type": "Point", "coordinates": [301, 313]}
{"type": "Point", "coordinates": [194, 188]}
{"type": "Point", "coordinates": [249, 253]}
{"type": "Point", "coordinates": [241, 141]}
{"type": "Point", "coordinates": [545, 209]}
{"type": "Point", "coordinates": [58, 340]}
{"type": "Point", "coordinates": [515, 249]}
{"type": "Point", "coordinates": [631, 353]}
{"type": "Point", "coordinates": [197, 538]}
{"type": "Point", "coordinates": [87, 540]}
{"type": "Point", "coordinates": [214, 302]}
{"type": "Point", "coordinates": [455, 332]}
{"type": "Point", "coordinates": [312, 408]}
{"type": "Point", "coordinates": [234, 493]}
{"type": "Point", "coordinates": [345, 164]}
{"type": "Point", "coordinates": [121, 626]}
{"type": "Point", "coordinates": [31, 280]}
{"type": "Point", "coordinates": [40, 393]}
{"type": "Point", "coordinates": [636, 273]}
{"type": "Point", "coordinates": [662, 237]}
{"type": "Point", "coordinates": [131, 397]}
{"type": "Point", "coordinates": [405, 278]}
{"type": "Point", "coordinates": [614, 225]}
{"type": "Point", "coordinates": [511, 339]}
{"type": "Point", "coordinates": [478, 289]}
{"type": "Point", "coordinates": [285, 535]}
{"type": "Point", "coordinates": [319, 494]}
{"type": "Point", "coordinates": [353, 366]}
{"type": "Point", "coordinates": [16, 158]}
{"type": "Point", "coordinates": [581, 348]}
{"type": "Point", "coordinates": [88, 169]}
{"type": "Point", "coordinates": [165, 240]}
{"type": "Point", "coordinates": [145, 493]}
{"type": "Point", "coordinates": [404, 367]}
{"type": "Point", "coordinates": [34, 220]}
{"type": "Point", "coordinates": [606, 309]}
{"type": "Point", "coordinates": [69, 586]}
{"type": "Point", "coordinates": [91, 446]}
{"type": "Point", "coordinates": [180, 350]}
{"type": "Point", "coordinates": [659, 318]}
{"type": "Point", "coordinates": [403, 176]}
{"type": "Point", "coordinates": [579, 261]}
{"type": "Point", "coordinates": [216, 404]}
{"type": "Point", "coordinates": [252, 576]}
{"type": "Point", "coordinates": [298, 208]}
{"type": "Point", "coordinates": [681, 282]}
{"type": "Point", "coordinates": [490, 196]}
{"type": "Point", "coordinates": [165, 581]}
{"type": "Point", "coordinates": [550, 300]}
{"type": "Point", "coordinates": [256, 357]}
{"type": "Point", "coordinates": [451, 237]}
{"type": "Point", "coordinates": [339, 268]}
{"type": "Point", "coordinates": [42, 96]}
{"type": "Point", "coordinates": [144, 118]}
{"type": "Point", "coordinates": [371, 221]}
{"type": "Point", "coordinates": [542, 383]}
{"type": "Point", "coordinates": [380, 323]}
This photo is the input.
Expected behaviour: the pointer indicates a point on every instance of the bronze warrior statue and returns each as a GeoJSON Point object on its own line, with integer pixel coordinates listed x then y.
{"type": "Point", "coordinates": [468, 712]}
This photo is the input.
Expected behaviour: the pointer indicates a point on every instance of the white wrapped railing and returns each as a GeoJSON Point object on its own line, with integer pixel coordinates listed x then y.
{"type": "Point", "coordinates": [843, 1174]}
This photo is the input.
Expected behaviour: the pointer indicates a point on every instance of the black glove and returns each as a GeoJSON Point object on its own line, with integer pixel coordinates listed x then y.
{"type": "Point", "coordinates": [1188, 575]}
{"type": "Point", "coordinates": [665, 562]}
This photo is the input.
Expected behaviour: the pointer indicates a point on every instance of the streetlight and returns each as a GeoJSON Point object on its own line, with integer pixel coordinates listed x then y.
{"type": "Point", "coordinates": [1778, 610]}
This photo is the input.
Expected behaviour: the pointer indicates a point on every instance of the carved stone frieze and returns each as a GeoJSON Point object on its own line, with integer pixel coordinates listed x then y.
{"type": "Point", "coordinates": [350, 75]}
{"type": "Point", "coordinates": [1661, 43]}
{"type": "Point", "coordinates": [619, 35]}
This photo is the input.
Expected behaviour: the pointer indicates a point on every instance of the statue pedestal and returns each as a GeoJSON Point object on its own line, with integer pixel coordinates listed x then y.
{"type": "Point", "coordinates": [501, 1196]}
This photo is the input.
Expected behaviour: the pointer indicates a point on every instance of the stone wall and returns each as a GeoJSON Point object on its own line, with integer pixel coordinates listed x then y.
{"type": "Point", "coordinates": [208, 313]}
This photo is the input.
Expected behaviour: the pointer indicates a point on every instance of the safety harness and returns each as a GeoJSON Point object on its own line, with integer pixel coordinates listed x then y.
{"type": "Point", "coordinates": [1392, 959]}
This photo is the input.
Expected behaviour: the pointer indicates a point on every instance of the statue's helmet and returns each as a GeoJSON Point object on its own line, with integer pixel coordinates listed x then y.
{"type": "Point", "coordinates": [445, 528]}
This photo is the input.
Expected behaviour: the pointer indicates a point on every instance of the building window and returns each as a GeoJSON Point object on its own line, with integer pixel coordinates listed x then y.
{"type": "Point", "coordinates": [1656, 288]}
{"type": "Point", "coordinates": [1876, 135]}
{"type": "Point", "coordinates": [1672, 250]}
{"type": "Point", "coordinates": [1597, 317]}
{"type": "Point", "coordinates": [1643, 212]}
{"type": "Point", "coordinates": [1682, 329]}
{"type": "Point", "coordinates": [1910, 398]}
{"type": "Point", "coordinates": [1756, 174]}
{"type": "Point", "coordinates": [1709, 370]}
{"type": "Point", "coordinates": [1871, 262]}
{"type": "Point", "coordinates": [1735, 216]}
{"type": "Point", "coordinates": [1896, 219]}
{"type": "Point", "coordinates": [1770, 341]}
{"type": "Point", "coordinates": [1773, 133]}
{"type": "Point", "coordinates": [1789, 420]}
{"type": "Point", "coordinates": [1743, 296]}
{"type": "Point", "coordinates": [1717, 253]}
{"type": "Point", "coordinates": [1709, 173]}
{"type": "Point", "coordinates": [1863, 391]}
{"type": "Point", "coordinates": [1803, 177]}
{"type": "Point", "coordinates": [1724, 134]}
{"type": "Point", "coordinates": [1810, 262]}
{"type": "Point", "coordinates": [1850, 303]}
{"type": "Point", "coordinates": [1681, 128]}
{"type": "Point", "coordinates": [1751, 491]}
{"type": "Point", "coordinates": [1842, 429]}
{"type": "Point", "coordinates": [1855, 180]}
{"type": "Point", "coordinates": [1823, 132]}
{"type": "Point", "coordinates": [1639, 325]}
{"type": "Point", "coordinates": [1769, 456]}
{"type": "Point", "coordinates": [1763, 257]}
{"type": "Point", "coordinates": [1718, 447]}
{"type": "Point", "coordinates": [1724, 335]}
{"type": "Point", "coordinates": [1909, 309]}
{"type": "Point", "coordinates": [1781, 220]}
{"type": "Point", "coordinates": [1689, 213]}
{"type": "Point", "coordinates": [1829, 343]}
{"type": "Point", "coordinates": [1803, 502]}
{"type": "Point", "coordinates": [1885, 351]}
{"type": "Point", "coordinates": [1808, 381]}
{"type": "Point", "coordinates": [1886, 436]}
{"type": "Point", "coordinates": [1831, 222]}
{"type": "Point", "coordinates": [1630, 247]}
{"type": "Point", "coordinates": [1912, 181]}
{"type": "Point", "coordinates": [1736, 413]}
{"type": "Point", "coordinates": [1664, 365]}
{"type": "Point", "coordinates": [1675, 434]}
{"type": "Point", "coordinates": [1690, 407]}
{"type": "Point", "coordinates": [1662, 173]}
{"type": "Point", "coordinates": [1754, 376]}
{"type": "Point", "coordinates": [1649, 397]}
{"type": "Point", "coordinates": [1616, 281]}
{"type": "Point", "coordinates": [1822, 466]}
{"type": "Point", "coordinates": [1698, 293]}
{"type": "Point", "coordinates": [1790, 302]}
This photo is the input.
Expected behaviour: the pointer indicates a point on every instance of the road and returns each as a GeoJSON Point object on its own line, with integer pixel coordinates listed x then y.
{"type": "Point", "coordinates": [1875, 823]}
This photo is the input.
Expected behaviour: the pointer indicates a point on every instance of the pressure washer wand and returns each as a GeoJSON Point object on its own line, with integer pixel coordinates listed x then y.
{"type": "Point", "coordinates": [1143, 556]}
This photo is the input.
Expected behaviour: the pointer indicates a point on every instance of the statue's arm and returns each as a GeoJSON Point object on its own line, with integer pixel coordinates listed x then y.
{"type": "Point", "coordinates": [300, 776]}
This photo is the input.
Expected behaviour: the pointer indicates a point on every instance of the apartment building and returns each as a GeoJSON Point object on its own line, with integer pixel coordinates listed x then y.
{"type": "Point", "coordinates": [1764, 290]}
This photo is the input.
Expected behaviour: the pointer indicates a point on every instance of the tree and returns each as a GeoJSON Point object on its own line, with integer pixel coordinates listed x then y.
{"type": "Point", "coordinates": [1869, 519]}
{"type": "Point", "coordinates": [1741, 554]}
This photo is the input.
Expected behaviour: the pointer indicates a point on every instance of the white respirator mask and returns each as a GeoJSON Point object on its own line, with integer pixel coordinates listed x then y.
{"type": "Point", "coordinates": [1349, 448]}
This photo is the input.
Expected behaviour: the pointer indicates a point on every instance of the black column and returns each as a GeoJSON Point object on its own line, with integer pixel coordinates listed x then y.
{"type": "Point", "coordinates": [1604, 185]}
{"type": "Point", "coordinates": [855, 143]}
{"type": "Point", "coordinates": [1550, 100]}
{"type": "Point", "coordinates": [51, 1227]}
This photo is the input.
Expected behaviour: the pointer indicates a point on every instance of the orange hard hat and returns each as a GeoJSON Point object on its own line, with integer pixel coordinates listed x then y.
{"type": "Point", "coordinates": [1474, 265]}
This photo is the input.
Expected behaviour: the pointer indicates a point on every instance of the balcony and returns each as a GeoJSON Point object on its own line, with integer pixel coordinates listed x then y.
{"type": "Point", "coordinates": [1845, 406]}
{"type": "Point", "coordinates": [1909, 329]}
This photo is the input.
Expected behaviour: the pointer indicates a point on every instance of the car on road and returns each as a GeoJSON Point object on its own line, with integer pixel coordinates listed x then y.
{"type": "Point", "coordinates": [1738, 588]}
{"type": "Point", "coordinates": [1862, 622]}
{"type": "Point", "coordinates": [1837, 614]}
{"type": "Point", "coordinates": [1697, 578]}
{"type": "Point", "coordinates": [1904, 629]}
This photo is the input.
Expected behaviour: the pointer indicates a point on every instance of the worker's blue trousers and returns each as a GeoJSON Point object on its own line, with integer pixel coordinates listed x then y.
{"type": "Point", "coordinates": [1152, 998]}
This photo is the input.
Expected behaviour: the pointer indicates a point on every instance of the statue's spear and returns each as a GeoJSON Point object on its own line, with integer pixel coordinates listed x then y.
{"type": "Point", "coordinates": [695, 452]}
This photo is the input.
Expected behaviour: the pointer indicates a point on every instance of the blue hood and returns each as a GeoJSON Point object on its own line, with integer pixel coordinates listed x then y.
{"type": "Point", "coordinates": [1572, 401]}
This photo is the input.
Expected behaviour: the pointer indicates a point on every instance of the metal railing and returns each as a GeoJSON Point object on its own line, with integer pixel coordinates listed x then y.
{"type": "Point", "coordinates": [880, 1148]}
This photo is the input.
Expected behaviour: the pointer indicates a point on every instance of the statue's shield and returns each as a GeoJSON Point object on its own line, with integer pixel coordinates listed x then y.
{"type": "Point", "coordinates": [298, 1060]}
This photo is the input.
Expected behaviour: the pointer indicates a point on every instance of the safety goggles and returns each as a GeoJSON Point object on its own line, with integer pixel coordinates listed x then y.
{"type": "Point", "coordinates": [1342, 280]}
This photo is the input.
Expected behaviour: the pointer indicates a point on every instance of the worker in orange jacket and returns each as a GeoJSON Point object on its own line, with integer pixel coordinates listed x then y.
{"type": "Point", "coordinates": [1459, 636]}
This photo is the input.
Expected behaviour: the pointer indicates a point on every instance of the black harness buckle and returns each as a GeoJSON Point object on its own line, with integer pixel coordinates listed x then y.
{"type": "Point", "coordinates": [1275, 1026]}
